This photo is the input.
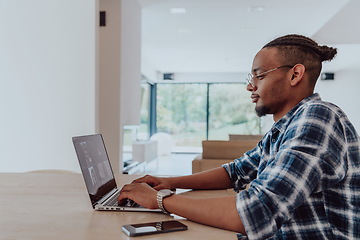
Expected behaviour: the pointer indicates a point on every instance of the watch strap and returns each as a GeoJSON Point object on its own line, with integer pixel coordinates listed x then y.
{"type": "Point", "coordinates": [159, 198]}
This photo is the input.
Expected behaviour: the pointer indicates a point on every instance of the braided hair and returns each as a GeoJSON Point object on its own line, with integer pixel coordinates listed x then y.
{"type": "Point", "coordinates": [297, 49]}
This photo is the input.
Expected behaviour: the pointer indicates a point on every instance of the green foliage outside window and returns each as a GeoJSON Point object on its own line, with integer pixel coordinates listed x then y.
{"type": "Point", "coordinates": [182, 112]}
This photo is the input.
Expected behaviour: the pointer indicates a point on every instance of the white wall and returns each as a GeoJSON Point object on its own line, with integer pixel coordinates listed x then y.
{"type": "Point", "coordinates": [344, 92]}
{"type": "Point", "coordinates": [48, 79]}
{"type": "Point", "coordinates": [130, 62]}
{"type": "Point", "coordinates": [58, 81]}
{"type": "Point", "coordinates": [119, 88]}
{"type": "Point", "coordinates": [109, 75]}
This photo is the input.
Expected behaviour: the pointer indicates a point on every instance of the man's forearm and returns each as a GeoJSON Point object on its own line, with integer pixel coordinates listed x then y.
{"type": "Point", "coordinates": [217, 212]}
{"type": "Point", "coordinates": [216, 178]}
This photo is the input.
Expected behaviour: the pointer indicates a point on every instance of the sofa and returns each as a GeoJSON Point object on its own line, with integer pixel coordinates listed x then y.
{"type": "Point", "coordinates": [216, 153]}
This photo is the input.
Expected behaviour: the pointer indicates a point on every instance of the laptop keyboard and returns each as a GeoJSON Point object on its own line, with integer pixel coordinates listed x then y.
{"type": "Point", "coordinates": [113, 201]}
{"type": "Point", "coordinates": [129, 203]}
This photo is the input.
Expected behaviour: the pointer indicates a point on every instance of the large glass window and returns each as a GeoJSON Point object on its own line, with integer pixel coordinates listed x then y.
{"type": "Point", "coordinates": [144, 131]}
{"type": "Point", "coordinates": [192, 112]}
{"type": "Point", "coordinates": [181, 112]}
{"type": "Point", "coordinates": [231, 111]}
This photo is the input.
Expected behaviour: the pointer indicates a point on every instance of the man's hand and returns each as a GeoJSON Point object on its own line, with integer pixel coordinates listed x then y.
{"type": "Point", "coordinates": [140, 193]}
{"type": "Point", "coordinates": [219, 211]}
{"type": "Point", "coordinates": [157, 183]}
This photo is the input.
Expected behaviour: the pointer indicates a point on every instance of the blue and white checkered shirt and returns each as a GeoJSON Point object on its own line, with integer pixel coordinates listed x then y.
{"type": "Point", "coordinates": [304, 177]}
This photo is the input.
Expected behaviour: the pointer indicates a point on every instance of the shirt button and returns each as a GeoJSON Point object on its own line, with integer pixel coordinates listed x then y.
{"type": "Point", "coordinates": [273, 140]}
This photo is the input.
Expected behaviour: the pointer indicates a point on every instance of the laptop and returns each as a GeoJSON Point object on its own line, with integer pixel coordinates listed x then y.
{"type": "Point", "coordinates": [99, 177]}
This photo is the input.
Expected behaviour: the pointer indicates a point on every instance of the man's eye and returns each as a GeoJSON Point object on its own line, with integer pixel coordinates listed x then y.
{"type": "Point", "coordinates": [260, 77]}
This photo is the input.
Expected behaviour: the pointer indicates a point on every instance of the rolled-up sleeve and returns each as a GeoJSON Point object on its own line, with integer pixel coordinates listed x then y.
{"type": "Point", "coordinates": [274, 195]}
{"type": "Point", "coordinates": [244, 169]}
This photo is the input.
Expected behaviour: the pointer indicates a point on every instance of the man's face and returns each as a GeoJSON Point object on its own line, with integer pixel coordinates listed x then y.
{"type": "Point", "coordinates": [269, 92]}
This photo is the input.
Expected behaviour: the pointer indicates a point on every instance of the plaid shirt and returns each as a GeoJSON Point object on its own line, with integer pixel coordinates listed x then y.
{"type": "Point", "coordinates": [305, 177]}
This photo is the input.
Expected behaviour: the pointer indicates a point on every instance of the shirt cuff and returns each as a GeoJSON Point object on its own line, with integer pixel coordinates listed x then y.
{"type": "Point", "coordinates": [253, 216]}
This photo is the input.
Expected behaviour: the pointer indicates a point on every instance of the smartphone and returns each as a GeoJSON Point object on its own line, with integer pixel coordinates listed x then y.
{"type": "Point", "coordinates": [140, 229]}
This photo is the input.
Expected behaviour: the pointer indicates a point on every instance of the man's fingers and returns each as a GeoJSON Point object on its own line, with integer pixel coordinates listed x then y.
{"type": "Point", "coordinates": [122, 198]}
{"type": "Point", "coordinates": [147, 179]}
{"type": "Point", "coordinates": [142, 179]}
{"type": "Point", "coordinates": [127, 187]}
{"type": "Point", "coordinates": [124, 193]}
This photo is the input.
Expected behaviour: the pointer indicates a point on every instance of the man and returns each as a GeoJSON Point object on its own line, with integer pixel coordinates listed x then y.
{"type": "Point", "coordinates": [304, 175]}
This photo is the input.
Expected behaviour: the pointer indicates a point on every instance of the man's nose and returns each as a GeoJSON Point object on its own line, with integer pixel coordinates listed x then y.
{"type": "Point", "coordinates": [250, 87]}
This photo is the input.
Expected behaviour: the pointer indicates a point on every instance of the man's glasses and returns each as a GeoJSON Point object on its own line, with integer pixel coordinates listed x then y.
{"type": "Point", "coordinates": [250, 77]}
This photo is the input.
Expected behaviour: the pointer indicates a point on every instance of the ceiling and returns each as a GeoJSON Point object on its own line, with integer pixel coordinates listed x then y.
{"type": "Point", "coordinates": [222, 36]}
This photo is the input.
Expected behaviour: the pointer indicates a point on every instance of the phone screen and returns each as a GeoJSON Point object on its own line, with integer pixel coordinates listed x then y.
{"type": "Point", "coordinates": [153, 227]}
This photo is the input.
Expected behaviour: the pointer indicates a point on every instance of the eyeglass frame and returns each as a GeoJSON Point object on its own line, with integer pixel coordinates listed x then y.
{"type": "Point", "coordinates": [250, 77]}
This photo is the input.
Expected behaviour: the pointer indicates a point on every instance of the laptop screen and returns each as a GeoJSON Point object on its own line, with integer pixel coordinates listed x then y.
{"type": "Point", "coordinates": [95, 165]}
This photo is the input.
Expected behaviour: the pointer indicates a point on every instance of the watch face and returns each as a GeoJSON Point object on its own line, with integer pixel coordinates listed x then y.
{"type": "Point", "coordinates": [165, 192]}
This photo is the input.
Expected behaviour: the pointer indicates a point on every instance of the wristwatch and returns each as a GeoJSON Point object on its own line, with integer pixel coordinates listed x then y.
{"type": "Point", "coordinates": [163, 193]}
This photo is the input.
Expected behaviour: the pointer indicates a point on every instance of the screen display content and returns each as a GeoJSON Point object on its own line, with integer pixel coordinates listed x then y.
{"type": "Point", "coordinates": [95, 167]}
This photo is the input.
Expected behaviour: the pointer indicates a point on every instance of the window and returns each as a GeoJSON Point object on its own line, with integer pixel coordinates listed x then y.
{"type": "Point", "coordinates": [192, 112]}
{"type": "Point", "coordinates": [143, 133]}
{"type": "Point", "coordinates": [181, 112]}
{"type": "Point", "coordinates": [231, 111]}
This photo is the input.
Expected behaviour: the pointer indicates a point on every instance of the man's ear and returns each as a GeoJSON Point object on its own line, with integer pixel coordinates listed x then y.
{"type": "Point", "coordinates": [298, 72]}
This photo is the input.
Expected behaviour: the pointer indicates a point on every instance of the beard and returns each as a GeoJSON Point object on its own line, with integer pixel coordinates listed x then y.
{"type": "Point", "coordinates": [261, 111]}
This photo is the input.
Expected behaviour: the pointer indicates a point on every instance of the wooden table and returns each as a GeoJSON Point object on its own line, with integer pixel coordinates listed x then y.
{"type": "Point", "coordinates": [55, 206]}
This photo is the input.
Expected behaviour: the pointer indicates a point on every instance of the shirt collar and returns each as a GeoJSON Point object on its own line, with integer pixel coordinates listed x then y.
{"type": "Point", "coordinates": [280, 124]}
